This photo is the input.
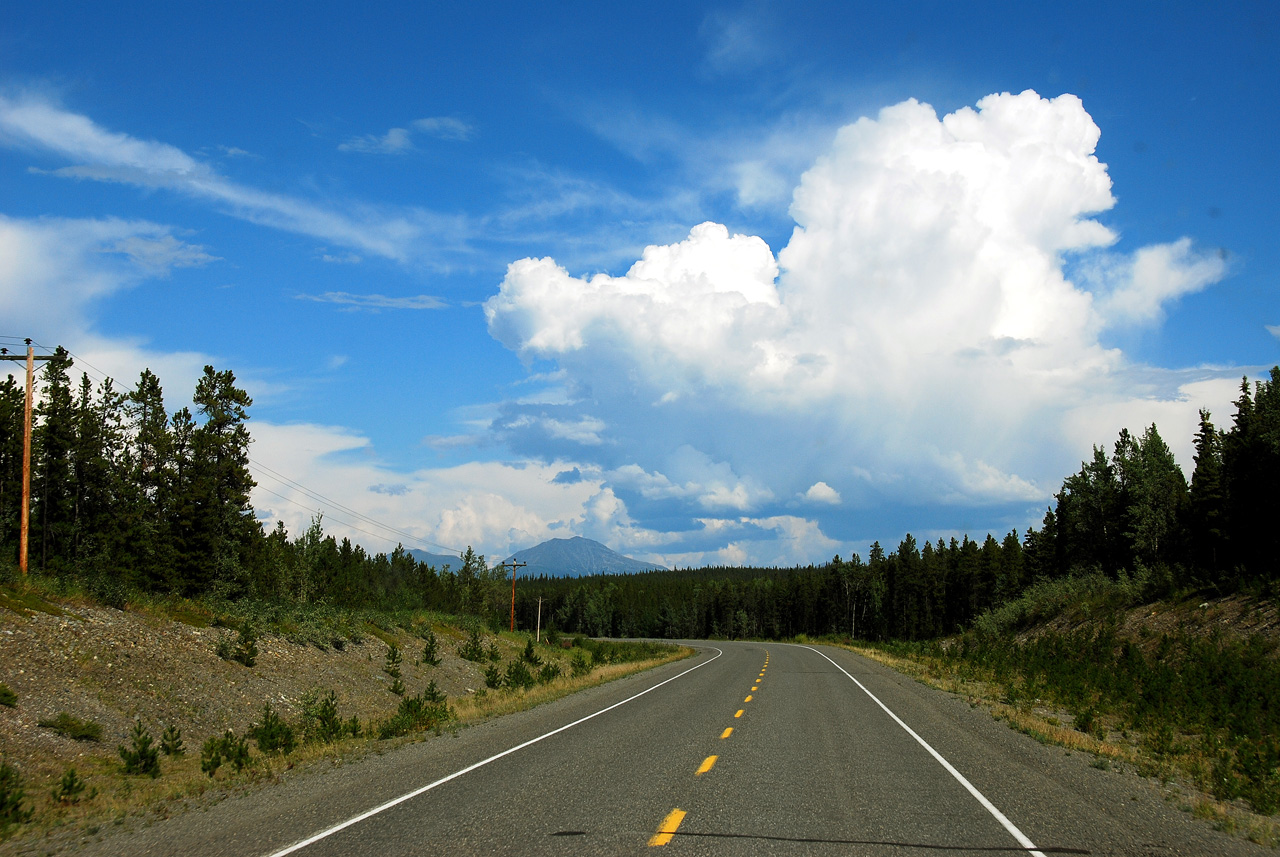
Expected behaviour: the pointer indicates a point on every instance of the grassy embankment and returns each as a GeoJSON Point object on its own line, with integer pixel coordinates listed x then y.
{"type": "Point", "coordinates": [99, 793]}
{"type": "Point", "coordinates": [1184, 690]}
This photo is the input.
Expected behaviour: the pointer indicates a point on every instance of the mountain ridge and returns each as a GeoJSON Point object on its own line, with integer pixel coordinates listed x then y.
{"type": "Point", "coordinates": [577, 557]}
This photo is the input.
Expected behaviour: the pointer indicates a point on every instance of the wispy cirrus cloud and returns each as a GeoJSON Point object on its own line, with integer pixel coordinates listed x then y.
{"type": "Point", "coordinates": [444, 128]}
{"type": "Point", "coordinates": [393, 142]}
{"type": "Point", "coordinates": [398, 141]}
{"type": "Point", "coordinates": [377, 302]}
{"type": "Point", "coordinates": [35, 123]}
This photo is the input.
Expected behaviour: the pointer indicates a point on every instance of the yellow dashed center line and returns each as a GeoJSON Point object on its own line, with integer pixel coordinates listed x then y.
{"type": "Point", "coordinates": [738, 713]}
{"type": "Point", "coordinates": [726, 733]}
{"type": "Point", "coordinates": [755, 687]}
{"type": "Point", "coordinates": [668, 828]}
{"type": "Point", "coordinates": [748, 699]}
{"type": "Point", "coordinates": [706, 765]}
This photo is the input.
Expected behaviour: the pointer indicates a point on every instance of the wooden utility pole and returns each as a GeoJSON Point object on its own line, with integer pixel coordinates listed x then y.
{"type": "Point", "coordinates": [514, 566]}
{"type": "Point", "coordinates": [25, 525]}
{"type": "Point", "coordinates": [539, 637]}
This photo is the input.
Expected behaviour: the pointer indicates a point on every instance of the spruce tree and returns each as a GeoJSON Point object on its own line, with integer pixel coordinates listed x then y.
{"type": "Point", "coordinates": [222, 522]}
{"type": "Point", "coordinates": [1206, 507]}
{"type": "Point", "coordinates": [12, 403]}
{"type": "Point", "coordinates": [149, 468]}
{"type": "Point", "coordinates": [53, 500]}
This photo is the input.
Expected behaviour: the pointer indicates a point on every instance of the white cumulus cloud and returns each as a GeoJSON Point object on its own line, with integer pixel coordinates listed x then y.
{"type": "Point", "coordinates": [821, 492]}
{"type": "Point", "coordinates": [917, 339]}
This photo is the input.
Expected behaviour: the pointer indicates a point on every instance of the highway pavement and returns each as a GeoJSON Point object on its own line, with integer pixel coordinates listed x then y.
{"type": "Point", "coordinates": [747, 748]}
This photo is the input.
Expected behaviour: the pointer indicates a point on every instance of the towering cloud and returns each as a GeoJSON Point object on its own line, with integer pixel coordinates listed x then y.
{"type": "Point", "coordinates": [931, 331]}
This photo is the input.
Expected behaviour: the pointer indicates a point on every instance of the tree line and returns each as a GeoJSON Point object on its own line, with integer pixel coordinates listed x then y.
{"type": "Point", "coordinates": [128, 497]}
{"type": "Point", "coordinates": [1128, 514]}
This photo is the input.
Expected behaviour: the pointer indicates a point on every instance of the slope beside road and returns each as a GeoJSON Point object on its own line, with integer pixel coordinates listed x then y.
{"type": "Point", "coordinates": [747, 748]}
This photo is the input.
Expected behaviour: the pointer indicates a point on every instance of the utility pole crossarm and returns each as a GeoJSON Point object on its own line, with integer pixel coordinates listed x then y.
{"type": "Point", "coordinates": [25, 528]}
{"type": "Point", "coordinates": [515, 564]}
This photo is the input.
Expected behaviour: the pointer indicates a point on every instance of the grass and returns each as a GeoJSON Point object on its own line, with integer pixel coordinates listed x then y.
{"type": "Point", "coordinates": [116, 799]}
{"type": "Point", "coordinates": [1163, 748]}
{"type": "Point", "coordinates": [23, 599]}
{"type": "Point", "coordinates": [70, 726]}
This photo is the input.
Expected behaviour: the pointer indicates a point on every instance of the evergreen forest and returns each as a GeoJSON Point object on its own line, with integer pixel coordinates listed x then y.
{"type": "Point", "coordinates": [129, 498]}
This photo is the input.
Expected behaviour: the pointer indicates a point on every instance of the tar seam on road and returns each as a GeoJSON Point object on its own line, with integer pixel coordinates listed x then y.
{"type": "Point", "coordinates": [329, 831]}
{"type": "Point", "coordinates": [668, 828]}
{"type": "Point", "coordinates": [960, 778]}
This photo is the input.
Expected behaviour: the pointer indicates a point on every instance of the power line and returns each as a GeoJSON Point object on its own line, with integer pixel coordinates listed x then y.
{"type": "Point", "coordinates": [347, 523]}
{"type": "Point", "coordinates": [317, 496]}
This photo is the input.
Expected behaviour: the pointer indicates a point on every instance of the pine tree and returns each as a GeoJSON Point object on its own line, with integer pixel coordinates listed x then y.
{"type": "Point", "coordinates": [12, 403]}
{"type": "Point", "coordinates": [53, 500]}
{"type": "Point", "coordinates": [1156, 495]}
{"type": "Point", "coordinates": [1251, 471]}
{"type": "Point", "coordinates": [150, 467]}
{"type": "Point", "coordinates": [217, 492]}
{"type": "Point", "coordinates": [97, 456]}
{"type": "Point", "coordinates": [1206, 505]}
{"type": "Point", "coordinates": [1089, 516]}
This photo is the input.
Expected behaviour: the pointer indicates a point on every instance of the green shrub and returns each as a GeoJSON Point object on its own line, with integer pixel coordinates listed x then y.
{"type": "Point", "coordinates": [320, 721]}
{"type": "Point", "coordinates": [272, 734]}
{"type": "Point", "coordinates": [246, 647]}
{"type": "Point", "coordinates": [1087, 722]}
{"type": "Point", "coordinates": [397, 687]}
{"type": "Point", "coordinates": [473, 649]}
{"type": "Point", "coordinates": [529, 656]}
{"type": "Point", "coordinates": [415, 714]}
{"type": "Point", "coordinates": [70, 726]}
{"type": "Point", "coordinates": [392, 666]}
{"type": "Point", "coordinates": [225, 748]}
{"type": "Point", "coordinates": [431, 650]}
{"type": "Point", "coordinates": [143, 757]}
{"type": "Point", "coordinates": [11, 797]}
{"type": "Point", "coordinates": [518, 676]}
{"type": "Point", "coordinates": [7, 696]}
{"type": "Point", "coordinates": [493, 654]}
{"type": "Point", "coordinates": [171, 741]}
{"type": "Point", "coordinates": [433, 693]}
{"type": "Point", "coordinates": [581, 664]}
{"type": "Point", "coordinates": [550, 672]}
{"type": "Point", "coordinates": [493, 677]}
{"type": "Point", "coordinates": [71, 789]}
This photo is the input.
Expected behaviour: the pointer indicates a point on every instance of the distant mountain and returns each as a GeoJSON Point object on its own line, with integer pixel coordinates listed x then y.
{"type": "Point", "coordinates": [576, 557]}
{"type": "Point", "coordinates": [439, 560]}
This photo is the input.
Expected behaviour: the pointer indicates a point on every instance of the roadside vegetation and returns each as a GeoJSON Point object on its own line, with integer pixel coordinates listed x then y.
{"type": "Point", "coordinates": [139, 509]}
{"type": "Point", "coordinates": [1168, 689]}
{"type": "Point", "coordinates": [157, 770]}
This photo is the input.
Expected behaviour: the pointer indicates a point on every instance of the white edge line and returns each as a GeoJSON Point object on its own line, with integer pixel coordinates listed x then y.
{"type": "Point", "coordinates": [329, 831]}
{"type": "Point", "coordinates": [960, 778]}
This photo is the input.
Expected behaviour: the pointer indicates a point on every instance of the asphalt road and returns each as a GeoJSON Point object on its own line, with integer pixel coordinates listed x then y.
{"type": "Point", "coordinates": [747, 748]}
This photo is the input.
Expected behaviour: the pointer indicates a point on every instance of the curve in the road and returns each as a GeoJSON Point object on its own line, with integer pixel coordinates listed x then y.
{"type": "Point", "coordinates": [999, 816]}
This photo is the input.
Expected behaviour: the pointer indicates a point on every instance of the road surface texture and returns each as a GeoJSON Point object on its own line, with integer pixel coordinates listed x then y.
{"type": "Point", "coordinates": [747, 748]}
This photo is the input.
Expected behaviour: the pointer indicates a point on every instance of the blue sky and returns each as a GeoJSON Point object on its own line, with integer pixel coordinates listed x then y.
{"type": "Point", "coordinates": [896, 267]}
